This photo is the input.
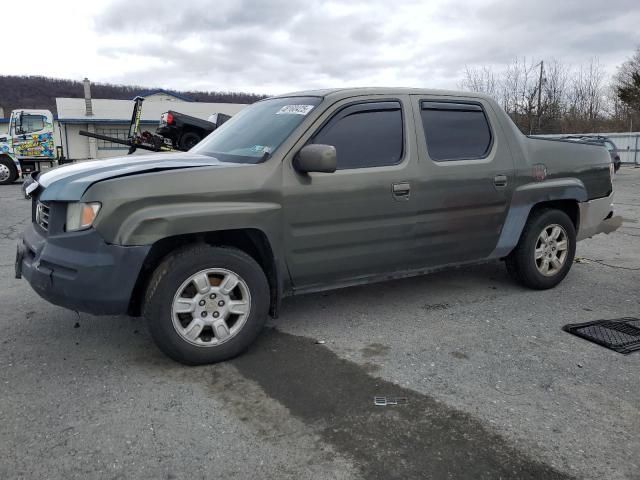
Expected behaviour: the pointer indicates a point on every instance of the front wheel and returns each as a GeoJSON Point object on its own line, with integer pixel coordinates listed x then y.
{"type": "Point", "coordinates": [545, 252]}
{"type": "Point", "coordinates": [8, 171]}
{"type": "Point", "coordinates": [206, 304]}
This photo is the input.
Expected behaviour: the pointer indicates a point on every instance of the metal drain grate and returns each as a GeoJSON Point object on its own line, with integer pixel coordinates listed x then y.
{"type": "Point", "coordinates": [621, 335]}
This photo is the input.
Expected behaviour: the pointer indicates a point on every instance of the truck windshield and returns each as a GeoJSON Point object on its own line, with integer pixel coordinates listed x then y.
{"type": "Point", "coordinates": [252, 135]}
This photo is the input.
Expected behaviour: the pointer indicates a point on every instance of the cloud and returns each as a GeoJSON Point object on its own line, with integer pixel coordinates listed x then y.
{"type": "Point", "coordinates": [571, 30]}
{"type": "Point", "coordinates": [174, 19]}
{"type": "Point", "coordinates": [280, 45]}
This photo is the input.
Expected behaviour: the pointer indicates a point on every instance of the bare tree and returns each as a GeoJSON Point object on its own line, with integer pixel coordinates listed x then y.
{"type": "Point", "coordinates": [481, 80]}
{"type": "Point", "coordinates": [519, 93]}
{"type": "Point", "coordinates": [572, 100]}
{"type": "Point", "coordinates": [554, 95]}
{"type": "Point", "coordinates": [628, 68]}
{"type": "Point", "coordinates": [586, 96]}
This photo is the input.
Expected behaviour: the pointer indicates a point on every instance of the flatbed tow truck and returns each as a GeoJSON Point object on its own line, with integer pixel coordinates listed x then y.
{"type": "Point", "coordinates": [29, 142]}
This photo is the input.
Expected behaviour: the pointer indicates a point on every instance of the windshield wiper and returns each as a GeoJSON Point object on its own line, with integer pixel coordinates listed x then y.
{"type": "Point", "coordinates": [265, 156]}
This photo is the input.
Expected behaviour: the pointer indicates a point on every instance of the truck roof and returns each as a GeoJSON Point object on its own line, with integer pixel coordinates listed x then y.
{"type": "Point", "coordinates": [354, 92]}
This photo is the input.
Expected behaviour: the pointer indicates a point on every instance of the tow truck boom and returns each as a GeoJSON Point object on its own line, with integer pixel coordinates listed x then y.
{"type": "Point", "coordinates": [135, 139]}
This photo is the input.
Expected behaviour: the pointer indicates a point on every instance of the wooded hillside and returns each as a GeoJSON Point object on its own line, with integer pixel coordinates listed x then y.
{"type": "Point", "coordinates": [41, 92]}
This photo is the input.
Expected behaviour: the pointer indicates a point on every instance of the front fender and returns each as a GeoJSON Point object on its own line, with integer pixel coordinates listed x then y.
{"type": "Point", "coordinates": [525, 197]}
{"type": "Point", "coordinates": [150, 224]}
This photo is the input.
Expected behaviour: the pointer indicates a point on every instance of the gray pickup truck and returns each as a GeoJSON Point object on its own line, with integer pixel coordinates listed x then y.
{"type": "Point", "coordinates": [306, 192]}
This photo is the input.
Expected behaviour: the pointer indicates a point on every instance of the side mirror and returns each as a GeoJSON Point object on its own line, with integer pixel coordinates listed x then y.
{"type": "Point", "coordinates": [18, 124]}
{"type": "Point", "coordinates": [316, 158]}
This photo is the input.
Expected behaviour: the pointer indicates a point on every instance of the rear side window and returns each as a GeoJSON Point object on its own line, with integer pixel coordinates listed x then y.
{"type": "Point", "coordinates": [365, 135]}
{"type": "Point", "coordinates": [455, 131]}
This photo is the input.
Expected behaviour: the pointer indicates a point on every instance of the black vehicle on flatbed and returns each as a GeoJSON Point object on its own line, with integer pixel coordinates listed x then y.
{"type": "Point", "coordinates": [177, 131]}
{"type": "Point", "coordinates": [186, 131]}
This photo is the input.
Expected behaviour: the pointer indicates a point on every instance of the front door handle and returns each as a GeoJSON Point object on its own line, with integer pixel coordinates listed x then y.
{"type": "Point", "coordinates": [500, 181]}
{"type": "Point", "coordinates": [401, 190]}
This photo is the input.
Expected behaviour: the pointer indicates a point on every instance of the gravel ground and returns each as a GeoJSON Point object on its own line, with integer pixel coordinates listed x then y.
{"type": "Point", "coordinates": [494, 387]}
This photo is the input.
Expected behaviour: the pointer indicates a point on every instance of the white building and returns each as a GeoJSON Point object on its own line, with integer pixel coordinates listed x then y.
{"type": "Point", "coordinates": [112, 118]}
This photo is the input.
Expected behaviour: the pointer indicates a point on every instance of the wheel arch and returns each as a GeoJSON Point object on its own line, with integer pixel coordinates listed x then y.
{"type": "Point", "coordinates": [568, 206]}
{"type": "Point", "coordinates": [10, 157]}
{"type": "Point", "coordinates": [254, 242]}
{"type": "Point", "coordinates": [562, 194]}
{"type": "Point", "coordinates": [12, 161]}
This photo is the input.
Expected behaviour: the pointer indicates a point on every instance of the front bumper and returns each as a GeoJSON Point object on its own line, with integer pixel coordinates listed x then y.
{"type": "Point", "coordinates": [79, 270]}
{"type": "Point", "coordinates": [597, 216]}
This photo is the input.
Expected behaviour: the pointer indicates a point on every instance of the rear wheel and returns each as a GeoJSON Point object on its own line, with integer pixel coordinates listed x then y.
{"type": "Point", "coordinates": [206, 304]}
{"type": "Point", "coordinates": [189, 140]}
{"type": "Point", "coordinates": [545, 252]}
{"type": "Point", "coordinates": [8, 171]}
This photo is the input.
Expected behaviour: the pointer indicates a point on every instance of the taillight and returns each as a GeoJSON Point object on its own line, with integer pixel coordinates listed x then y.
{"type": "Point", "coordinates": [169, 118]}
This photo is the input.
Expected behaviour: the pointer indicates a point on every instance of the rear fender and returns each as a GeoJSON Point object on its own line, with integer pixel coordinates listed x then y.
{"type": "Point", "coordinates": [525, 198]}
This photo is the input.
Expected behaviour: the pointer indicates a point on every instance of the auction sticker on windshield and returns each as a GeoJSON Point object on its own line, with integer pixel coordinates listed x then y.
{"type": "Point", "coordinates": [295, 110]}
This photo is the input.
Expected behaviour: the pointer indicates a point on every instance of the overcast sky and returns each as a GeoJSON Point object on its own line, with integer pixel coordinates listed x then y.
{"type": "Point", "coordinates": [283, 45]}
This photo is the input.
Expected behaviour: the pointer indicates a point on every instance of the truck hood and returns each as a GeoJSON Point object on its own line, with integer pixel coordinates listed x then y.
{"type": "Point", "coordinates": [69, 182]}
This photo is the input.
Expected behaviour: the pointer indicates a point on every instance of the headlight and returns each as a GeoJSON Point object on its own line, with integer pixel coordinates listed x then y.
{"type": "Point", "coordinates": [81, 215]}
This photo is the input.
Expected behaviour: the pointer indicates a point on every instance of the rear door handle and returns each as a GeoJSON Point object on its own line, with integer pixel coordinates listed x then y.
{"type": "Point", "coordinates": [500, 181]}
{"type": "Point", "coordinates": [401, 190]}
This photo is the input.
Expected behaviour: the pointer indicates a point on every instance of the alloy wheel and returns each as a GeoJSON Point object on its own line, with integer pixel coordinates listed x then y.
{"type": "Point", "coordinates": [211, 307]}
{"type": "Point", "coordinates": [552, 248]}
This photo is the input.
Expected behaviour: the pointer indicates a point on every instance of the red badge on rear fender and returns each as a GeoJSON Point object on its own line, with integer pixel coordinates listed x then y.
{"type": "Point", "coordinates": [539, 172]}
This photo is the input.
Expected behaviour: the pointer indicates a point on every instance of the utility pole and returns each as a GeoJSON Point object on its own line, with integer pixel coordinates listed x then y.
{"type": "Point", "coordinates": [540, 94]}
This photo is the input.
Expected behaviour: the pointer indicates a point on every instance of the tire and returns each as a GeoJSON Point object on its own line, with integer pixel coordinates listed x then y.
{"type": "Point", "coordinates": [189, 140]}
{"type": "Point", "coordinates": [8, 171]}
{"type": "Point", "coordinates": [170, 290]}
{"type": "Point", "coordinates": [522, 264]}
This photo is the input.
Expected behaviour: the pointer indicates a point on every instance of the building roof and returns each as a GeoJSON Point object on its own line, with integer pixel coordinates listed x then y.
{"type": "Point", "coordinates": [148, 93]}
{"type": "Point", "coordinates": [106, 110]}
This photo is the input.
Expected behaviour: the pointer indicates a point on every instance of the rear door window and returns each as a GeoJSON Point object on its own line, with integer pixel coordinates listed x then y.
{"type": "Point", "coordinates": [455, 131]}
{"type": "Point", "coordinates": [365, 135]}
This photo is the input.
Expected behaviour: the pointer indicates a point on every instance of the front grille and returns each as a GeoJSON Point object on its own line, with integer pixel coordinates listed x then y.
{"type": "Point", "coordinates": [42, 215]}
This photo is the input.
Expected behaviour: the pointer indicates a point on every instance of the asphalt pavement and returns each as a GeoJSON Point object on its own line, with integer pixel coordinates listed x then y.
{"type": "Point", "coordinates": [489, 385]}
